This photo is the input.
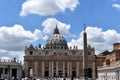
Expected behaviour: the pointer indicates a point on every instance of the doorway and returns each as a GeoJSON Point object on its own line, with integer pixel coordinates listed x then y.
{"type": "Point", "coordinates": [73, 73]}
{"type": "Point", "coordinates": [46, 74]}
{"type": "Point", "coordinates": [60, 74]}
{"type": "Point", "coordinates": [14, 73]}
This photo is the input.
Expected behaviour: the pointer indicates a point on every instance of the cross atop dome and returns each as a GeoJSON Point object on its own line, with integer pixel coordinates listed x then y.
{"type": "Point", "coordinates": [56, 30]}
{"type": "Point", "coordinates": [84, 27]}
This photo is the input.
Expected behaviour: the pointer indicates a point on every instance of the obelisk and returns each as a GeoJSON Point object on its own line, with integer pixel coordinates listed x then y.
{"type": "Point", "coordinates": [84, 53]}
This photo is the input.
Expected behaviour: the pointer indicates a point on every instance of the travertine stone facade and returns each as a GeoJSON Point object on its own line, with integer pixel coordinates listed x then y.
{"type": "Point", "coordinates": [57, 59]}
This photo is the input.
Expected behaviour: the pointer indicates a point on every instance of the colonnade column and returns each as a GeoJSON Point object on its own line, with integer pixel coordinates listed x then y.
{"type": "Point", "coordinates": [119, 74]}
{"type": "Point", "coordinates": [42, 68]}
{"type": "Point", "coordinates": [93, 70]}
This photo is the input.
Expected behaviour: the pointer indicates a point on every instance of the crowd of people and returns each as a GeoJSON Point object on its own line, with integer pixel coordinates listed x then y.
{"type": "Point", "coordinates": [58, 78]}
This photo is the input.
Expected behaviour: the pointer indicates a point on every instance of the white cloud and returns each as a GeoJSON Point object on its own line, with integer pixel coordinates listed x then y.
{"type": "Point", "coordinates": [38, 34]}
{"type": "Point", "coordinates": [47, 7]}
{"type": "Point", "coordinates": [14, 39]}
{"type": "Point", "coordinates": [117, 6]}
{"type": "Point", "coordinates": [4, 58]}
{"type": "Point", "coordinates": [99, 39]}
{"type": "Point", "coordinates": [45, 37]}
{"type": "Point", "coordinates": [7, 55]}
{"type": "Point", "coordinates": [50, 23]}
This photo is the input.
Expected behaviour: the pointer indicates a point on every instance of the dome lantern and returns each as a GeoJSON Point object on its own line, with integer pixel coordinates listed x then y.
{"type": "Point", "coordinates": [56, 31]}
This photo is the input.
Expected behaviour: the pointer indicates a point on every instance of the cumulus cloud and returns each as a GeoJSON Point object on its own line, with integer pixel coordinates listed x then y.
{"type": "Point", "coordinates": [47, 7]}
{"type": "Point", "coordinates": [50, 23]}
{"type": "Point", "coordinates": [99, 39]}
{"type": "Point", "coordinates": [117, 6]}
{"type": "Point", "coordinates": [14, 39]}
{"type": "Point", "coordinates": [7, 55]}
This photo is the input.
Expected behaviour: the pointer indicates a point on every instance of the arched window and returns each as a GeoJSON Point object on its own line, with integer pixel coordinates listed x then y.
{"type": "Point", "coordinates": [31, 52]}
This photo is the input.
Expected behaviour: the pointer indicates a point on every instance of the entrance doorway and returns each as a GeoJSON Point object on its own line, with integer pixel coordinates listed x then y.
{"type": "Point", "coordinates": [73, 73]}
{"type": "Point", "coordinates": [60, 74]}
{"type": "Point", "coordinates": [46, 73]}
{"type": "Point", "coordinates": [14, 73]}
{"type": "Point", "coordinates": [30, 72]}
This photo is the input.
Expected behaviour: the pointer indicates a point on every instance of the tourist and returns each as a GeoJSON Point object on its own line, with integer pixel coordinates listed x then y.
{"type": "Point", "coordinates": [72, 78]}
{"type": "Point", "coordinates": [5, 78]}
{"type": "Point", "coordinates": [64, 79]}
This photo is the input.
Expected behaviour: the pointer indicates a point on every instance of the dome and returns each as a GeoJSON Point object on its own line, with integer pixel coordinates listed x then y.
{"type": "Point", "coordinates": [56, 41]}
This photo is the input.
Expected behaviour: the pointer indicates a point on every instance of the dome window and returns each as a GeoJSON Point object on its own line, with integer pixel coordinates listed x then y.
{"type": "Point", "coordinates": [60, 40]}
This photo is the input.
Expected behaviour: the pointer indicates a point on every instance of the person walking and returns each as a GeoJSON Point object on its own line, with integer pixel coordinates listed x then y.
{"type": "Point", "coordinates": [64, 79]}
{"type": "Point", "coordinates": [72, 78]}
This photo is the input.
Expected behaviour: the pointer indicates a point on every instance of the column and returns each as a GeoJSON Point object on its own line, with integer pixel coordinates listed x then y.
{"type": "Point", "coordinates": [42, 68]}
{"type": "Point", "coordinates": [93, 70]}
{"type": "Point", "coordinates": [52, 69]}
{"type": "Point", "coordinates": [10, 72]}
{"type": "Point", "coordinates": [119, 75]}
{"type": "Point", "coordinates": [35, 69]}
{"type": "Point", "coordinates": [77, 69]}
{"type": "Point", "coordinates": [57, 68]}
{"type": "Point", "coordinates": [18, 72]}
{"type": "Point", "coordinates": [4, 70]}
{"type": "Point", "coordinates": [68, 69]}
{"type": "Point", "coordinates": [63, 68]}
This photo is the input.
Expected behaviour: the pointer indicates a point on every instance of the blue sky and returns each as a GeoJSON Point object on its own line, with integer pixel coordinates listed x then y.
{"type": "Point", "coordinates": [23, 22]}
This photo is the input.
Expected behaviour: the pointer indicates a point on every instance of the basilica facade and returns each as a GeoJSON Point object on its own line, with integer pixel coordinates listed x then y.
{"type": "Point", "coordinates": [56, 59]}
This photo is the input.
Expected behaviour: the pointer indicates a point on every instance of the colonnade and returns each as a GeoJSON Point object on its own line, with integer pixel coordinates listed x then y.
{"type": "Point", "coordinates": [109, 75]}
